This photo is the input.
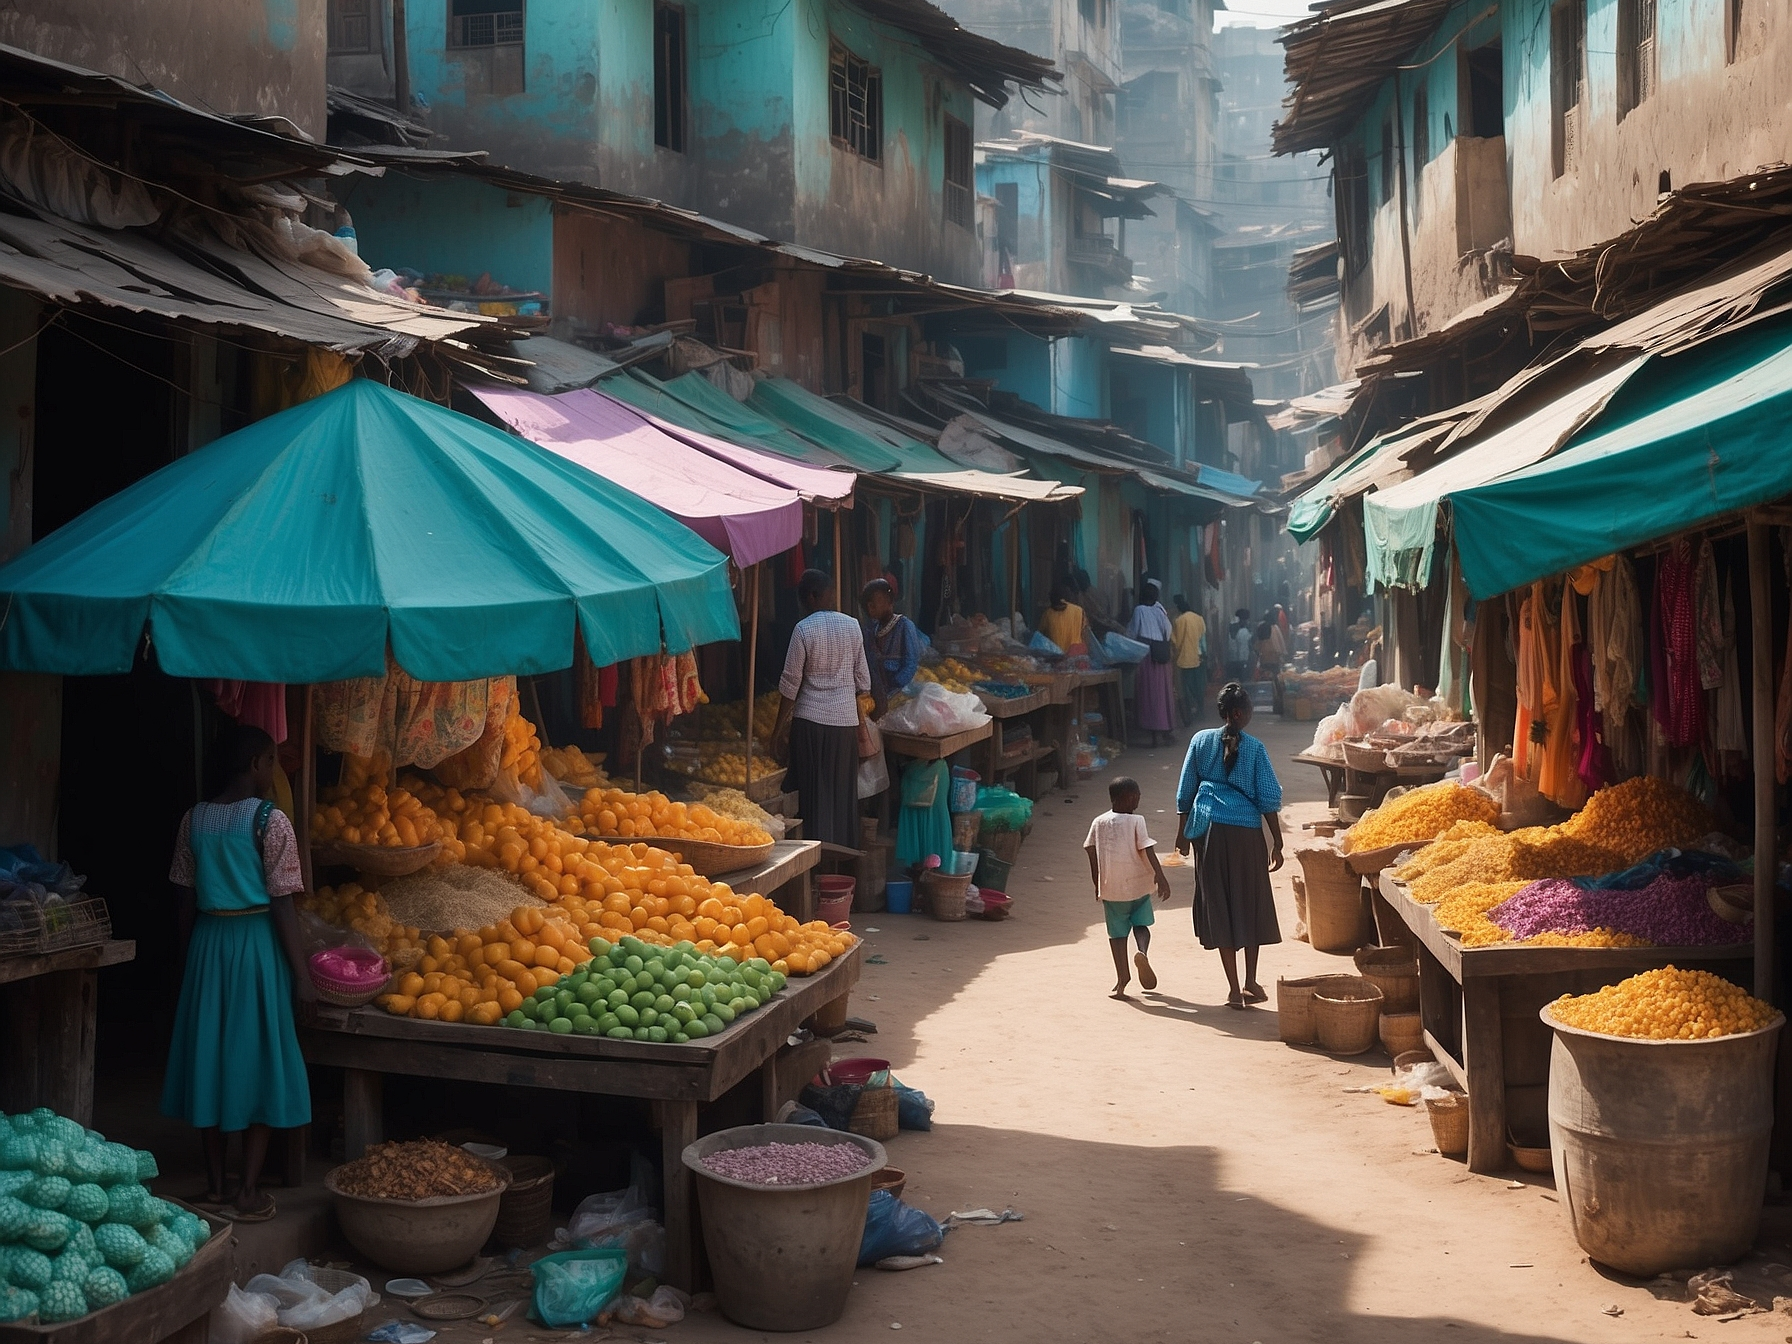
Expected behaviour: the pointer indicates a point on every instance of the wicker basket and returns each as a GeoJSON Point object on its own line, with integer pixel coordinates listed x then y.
{"type": "Point", "coordinates": [344, 998]}
{"type": "Point", "coordinates": [1401, 1033]}
{"type": "Point", "coordinates": [1527, 1158]}
{"type": "Point", "coordinates": [1294, 1007]}
{"type": "Point", "coordinates": [1370, 760]}
{"type": "Point", "coordinates": [893, 1179]}
{"type": "Point", "coordinates": [1395, 972]}
{"type": "Point", "coordinates": [1335, 906]}
{"type": "Point", "coordinates": [1346, 1014]}
{"type": "Point", "coordinates": [341, 1332]}
{"type": "Point", "coordinates": [526, 1212]}
{"type": "Point", "coordinates": [766, 786]}
{"type": "Point", "coordinates": [1449, 1125]}
{"type": "Point", "coordinates": [707, 857]}
{"type": "Point", "coordinates": [380, 860]}
{"type": "Point", "coordinates": [945, 894]}
{"type": "Point", "coordinates": [875, 1114]}
{"type": "Point", "coordinates": [1006, 844]}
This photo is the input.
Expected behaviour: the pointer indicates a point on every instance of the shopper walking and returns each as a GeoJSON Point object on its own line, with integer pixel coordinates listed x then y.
{"type": "Point", "coordinates": [818, 713]}
{"type": "Point", "coordinates": [1154, 700]}
{"type": "Point", "coordinates": [1241, 649]}
{"type": "Point", "coordinates": [1228, 794]}
{"type": "Point", "coordinates": [1124, 868]}
{"type": "Point", "coordinates": [1188, 635]}
{"type": "Point", "coordinates": [234, 1064]}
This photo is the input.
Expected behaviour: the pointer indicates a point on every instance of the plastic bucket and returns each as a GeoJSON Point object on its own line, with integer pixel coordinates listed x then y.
{"type": "Point", "coordinates": [991, 871]}
{"type": "Point", "coordinates": [783, 1256]}
{"type": "Point", "coordinates": [963, 797]}
{"type": "Point", "coordinates": [964, 863]}
{"type": "Point", "coordinates": [899, 896]}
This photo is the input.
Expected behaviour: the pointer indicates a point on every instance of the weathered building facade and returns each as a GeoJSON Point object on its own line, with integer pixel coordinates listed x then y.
{"type": "Point", "coordinates": [837, 126]}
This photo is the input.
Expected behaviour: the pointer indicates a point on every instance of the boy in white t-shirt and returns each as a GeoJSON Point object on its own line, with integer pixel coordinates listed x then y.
{"type": "Point", "coordinates": [1123, 865]}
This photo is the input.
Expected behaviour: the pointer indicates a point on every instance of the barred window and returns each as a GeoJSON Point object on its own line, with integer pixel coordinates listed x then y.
{"type": "Point", "coordinates": [485, 23]}
{"type": "Point", "coordinates": [959, 188]}
{"type": "Point", "coordinates": [855, 104]}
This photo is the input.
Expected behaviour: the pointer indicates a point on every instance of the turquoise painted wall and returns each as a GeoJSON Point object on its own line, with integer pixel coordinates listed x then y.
{"type": "Point", "coordinates": [1079, 377]}
{"type": "Point", "coordinates": [455, 225]}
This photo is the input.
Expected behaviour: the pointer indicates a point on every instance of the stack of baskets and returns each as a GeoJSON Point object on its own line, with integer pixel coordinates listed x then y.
{"type": "Point", "coordinates": [526, 1212]}
{"type": "Point", "coordinates": [1395, 972]}
{"type": "Point", "coordinates": [1346, 1015]}
{"type": "Point", "coordinates": [1337, 914]}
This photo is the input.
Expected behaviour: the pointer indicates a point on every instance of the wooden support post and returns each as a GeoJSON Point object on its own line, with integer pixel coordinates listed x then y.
{"type": "Point", "coordinates": [752, 664]}
{"type": "Point", "coordinates": [1483, 1063]}
{"type": "Point", "coordinates": [1761, 675]}
{"type": "Point", "coordinates": [768, 1089]}
{"type": "Point", "coordinates": [678, 1130]}
{"type": "Point", "coordinates": [363, 1111]}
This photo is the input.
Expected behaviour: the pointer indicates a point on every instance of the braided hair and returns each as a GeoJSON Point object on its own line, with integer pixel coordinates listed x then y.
{"type": "Point", "coordinates": [1233, 697]}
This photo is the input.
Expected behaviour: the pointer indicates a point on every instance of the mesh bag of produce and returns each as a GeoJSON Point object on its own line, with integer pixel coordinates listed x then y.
{"type": "Point", "coordinates": [15, 1216]}
{"type": "Point", "coordinates": [11, 1182]}
{"type": "Point", "coordinates": [87, 1202]}
{"type": "Point", "coordinates": [17, 1304]}
{"type": "Point", "coordinates": [165, 1239]}
{"type": "Point", "coordinates": [18, 1151]}
{"type": "Point", "coordinates": [82, 1240]}
{"type": "Point", "coordinates": [104, 1287]}
{"type": "Point", "coordinates": [153, 1270]}
{"type": "Point", "coordinates": [61, 1301]}
{"type": "Point", "coordinates": [70, 1267]}
{"type": "Point", "coordinates": [28, 1268]}
{"type": "Point", "coordinates": [123, 1246]}
{"type": "Point", "coordinates": [120, 1165]}
{"type": "Point", "coordinates": [52, 1157]}
{"type": "Point", "coordinates": [47, 1192]}
{"type": "Point", "coordinates": [130, 1204]}
{"type": "Point", "coordinates": [48, 1231]}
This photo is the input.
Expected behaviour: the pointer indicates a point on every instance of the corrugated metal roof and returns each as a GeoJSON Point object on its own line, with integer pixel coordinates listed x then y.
{"type": "Point", "coordinates": [1338, 60]}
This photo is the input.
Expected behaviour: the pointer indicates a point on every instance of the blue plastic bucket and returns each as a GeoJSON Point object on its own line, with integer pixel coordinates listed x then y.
{"type": "Point", "coordinates": [898, 896]}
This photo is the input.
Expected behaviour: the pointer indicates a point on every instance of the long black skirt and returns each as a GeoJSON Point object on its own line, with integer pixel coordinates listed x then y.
{"type": "Point", "coordinates": [1234, 906]}
{"type": "Point", "coordinates": [824, 771]}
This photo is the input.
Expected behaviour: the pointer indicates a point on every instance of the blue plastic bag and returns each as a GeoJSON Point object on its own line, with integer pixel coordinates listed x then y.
{"type": "Point", "coordinates": [914, 1109]}
{"type": "Point", "coordinates": [572, 1287]}
{"type": "Point", "coordinates": [895, 1228]}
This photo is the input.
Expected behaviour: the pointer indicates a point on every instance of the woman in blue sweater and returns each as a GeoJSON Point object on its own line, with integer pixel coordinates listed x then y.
{"type": "Point", "coordinates": [1227, 794]}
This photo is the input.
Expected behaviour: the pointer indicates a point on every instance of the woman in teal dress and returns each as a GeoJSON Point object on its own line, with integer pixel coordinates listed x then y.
{"type": "Point", "coordinates": [925, 826]}
{"type": "Point", "coordinates": [234, 1064]}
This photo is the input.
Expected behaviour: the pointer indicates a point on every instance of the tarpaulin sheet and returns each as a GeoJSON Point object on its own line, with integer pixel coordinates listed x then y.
{"type": "Point", "coordinates": [300, 548]}
{"type": "Point", "coordinates": [748, 518]}
{"type": "Point", "coordinates": [1703, 435]}
{"type": "Point", "coordinates": [692, 401]}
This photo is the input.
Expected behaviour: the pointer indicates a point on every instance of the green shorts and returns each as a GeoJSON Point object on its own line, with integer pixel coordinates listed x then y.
{"type": "Point", "coordinates": [1123, 916]}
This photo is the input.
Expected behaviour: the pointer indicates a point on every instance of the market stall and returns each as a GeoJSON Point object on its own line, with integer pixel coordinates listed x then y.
{"type": "Point", "coordinates": [47, 1002]}
{"type": "Point", "coordinates": [370, 1044]}
{"type": "Point", "coordinates": [409, 644]}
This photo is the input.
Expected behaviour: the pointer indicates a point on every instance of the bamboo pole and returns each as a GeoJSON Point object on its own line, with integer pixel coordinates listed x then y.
{"type": "Point", "coordinates": [752, 667]}
{"type": "Point", "coordinates": [1766, 847]}
{"type": "Point", "coordinates": [307, 803]}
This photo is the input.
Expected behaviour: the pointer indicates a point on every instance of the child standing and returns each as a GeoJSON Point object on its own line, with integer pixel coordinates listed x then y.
{"type": "Point", "coordinates": [1124, 868]}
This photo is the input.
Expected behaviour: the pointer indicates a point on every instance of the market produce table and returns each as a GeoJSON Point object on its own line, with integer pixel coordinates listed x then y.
{"type": "Point", "coordinates": [1331, 769]}
{"type": "Point", "coordinates": [46, 1027]}
{"type": "Point", "coordinates": [1002, 761]}
{"type": "Point", "coordinates": [369, 1043]}
{"type": "Point", "coordinates": [788, 867]}
{"type": "Point", "coordinates": [935, 748]}
{"type": "Point", "coordinates": [1479, 1007]}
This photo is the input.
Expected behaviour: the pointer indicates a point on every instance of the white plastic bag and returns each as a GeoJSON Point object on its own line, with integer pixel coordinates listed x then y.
{"type": "Point", "coordinates": [1329, 735]}
{"type": "Point", "coordinates": [305, 1304]}
{"type": "Point", "coordinates": [874, 776]}
{"type": "Point", "coordinates": [1123, 650]}
{"type": "Point", "coordinates": [936, 712]}
{"type": "Point", "coordinates": [242, 1318]}
{"type": "Point", "coordinates": [624, 1219]}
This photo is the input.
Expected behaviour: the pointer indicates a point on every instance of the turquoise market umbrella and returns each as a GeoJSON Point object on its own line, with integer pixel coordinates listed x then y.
{"type": "Point", "coordinates": [297, 549]}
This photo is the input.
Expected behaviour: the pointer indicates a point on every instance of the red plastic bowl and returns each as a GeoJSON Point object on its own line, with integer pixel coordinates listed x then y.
{"type": "Point", "coordinates": [857, 1071]}
{"type": "Point", "coordinates": [996, 904]}
{"type": "Point", "coordinates": [349, 970]}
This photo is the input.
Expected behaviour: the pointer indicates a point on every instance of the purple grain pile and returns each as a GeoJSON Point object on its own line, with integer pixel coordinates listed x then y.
{"type": "Point", "coordinates": [788, 1163]}
{"type": "Point", "coordinates": [1669, 912]}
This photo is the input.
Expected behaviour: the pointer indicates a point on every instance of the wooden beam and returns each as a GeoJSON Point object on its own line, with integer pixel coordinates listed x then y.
{"type": "Point", "coordinates": [1761, 674]}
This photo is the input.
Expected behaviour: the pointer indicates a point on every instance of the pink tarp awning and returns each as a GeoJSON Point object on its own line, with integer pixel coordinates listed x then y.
{"type": "Point", "coordinates": [827, 487]}
{"type": "Point", "coordinates": [736, 511]}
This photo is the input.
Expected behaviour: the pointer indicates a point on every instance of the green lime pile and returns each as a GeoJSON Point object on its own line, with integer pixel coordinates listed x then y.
{"type": "Point", "coordinates": [78, 1229]}
{"type": "Point", "coordinates": [634, 991]}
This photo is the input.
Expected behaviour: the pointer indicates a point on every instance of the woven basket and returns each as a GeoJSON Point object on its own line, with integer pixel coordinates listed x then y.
{"type": "Point", "coordinates": [893, 1179]}
{"type": "Point", "coordinates": [341, 1332]}
{"type": "Point", "coordinates": [381, 860]}
{"type": "Point", "coordinates": [1335, 910]}
{"type": "Point", "coordinates": [709, 858]}
{"type": "Point", "coordinates": [1395, 972]}
{"type": "Point", "coordinates": [1449, 1125]}
{"type": "Point", "coordinates": [945, 894]}
{"type": "Point", "coordinates": [526, 1211]}
{"type": "Point", "coordinates": [1294, 1007]}
{"type": "Point", "coordinates": [1346, 1014]}
{"type": "Point", "coordinates": [1006, 844]}
{"type": "Point", "coordinates": [830, 1017]}
{"type": "Point", "coordinates": [875, 1114]}
{"type": "Point", "coordinates": [1401, 1033]}
{"type": "Point", "coordinates": [343, 998]}
{"type": "Point", "coordinates": [1370, 760]}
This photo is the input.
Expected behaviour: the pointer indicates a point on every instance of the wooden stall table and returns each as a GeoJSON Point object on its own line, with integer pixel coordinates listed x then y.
{"type": "Point", "coordinates": [783, 878]}
{"type": "Point", "coordinates": [369, 1043]}
{"type": "Point", "coordinates": [1332, 770]}
{"type": "Point", "coordinates": [1105, 684]}
{"type": "Point", "coordinates": [923, 748]}
{"type": "Point", "coordinates": [1003, 710]}
{"type": "Point", "coordinates": [47, 1003]}
{"type": "Point", "coordinates": [1479, 1008]}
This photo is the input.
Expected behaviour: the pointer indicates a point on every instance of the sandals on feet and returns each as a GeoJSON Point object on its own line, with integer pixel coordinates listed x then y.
{"type": "Point", "coordinates": [261, 1213]}
{"type": "Point", "coordinates": [1255, 994]}
{"type": "Point", "coordinates": [1235, 1001]}
{"type": "Point", "coordinates": [1147, 976]}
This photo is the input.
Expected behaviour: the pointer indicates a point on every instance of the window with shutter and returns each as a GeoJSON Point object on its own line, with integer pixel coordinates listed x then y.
{"type": "Point", "coordinates": [855, 104]}
{"type": "Point", "coordinates": [959, 185]}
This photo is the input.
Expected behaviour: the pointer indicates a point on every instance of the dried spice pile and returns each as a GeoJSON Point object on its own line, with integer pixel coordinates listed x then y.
{"type": "Point", "coordinates": [425, 1169]}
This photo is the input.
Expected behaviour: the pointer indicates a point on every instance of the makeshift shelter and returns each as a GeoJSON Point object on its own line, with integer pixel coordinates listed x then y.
{"type": "Point", "coordinates": [302, 547]}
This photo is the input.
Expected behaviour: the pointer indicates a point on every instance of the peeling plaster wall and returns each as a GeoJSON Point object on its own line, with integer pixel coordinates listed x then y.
{"type": "Point", "coordinates": [452, 225]}
{"type": "Point", "coordinates": [274, 66]}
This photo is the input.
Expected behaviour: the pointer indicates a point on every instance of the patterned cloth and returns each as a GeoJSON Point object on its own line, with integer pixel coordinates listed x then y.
{"type": "Point", "coordinates": [1211, 794]}
{"type": "Point", "coordinates": [420, 722]}
{"type": "Point", "coordinates": [279, 846]}
{"type": "Point", "coordinates": [825, 670]}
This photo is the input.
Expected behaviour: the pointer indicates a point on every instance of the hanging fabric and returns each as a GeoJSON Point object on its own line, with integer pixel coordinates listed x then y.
{"type": "Point", "coordinates": [261, 703]}
{"type": "Point", "coordinates": [1729, 739]}
{"type": "Point", "coordinates": [1558, 777]}
{"type": "Point", "coordinates": [1679, 701]}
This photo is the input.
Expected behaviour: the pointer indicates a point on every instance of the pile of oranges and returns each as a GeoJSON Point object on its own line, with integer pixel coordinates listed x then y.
{"type": "Point", "coordinates": [367, 814]}
{"type": "Point", "coordinates": [480, 975]}
{"type": "Point", "coordinates": [352, 906]}
{"type": "Point", "coordinates": [615, 812]}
